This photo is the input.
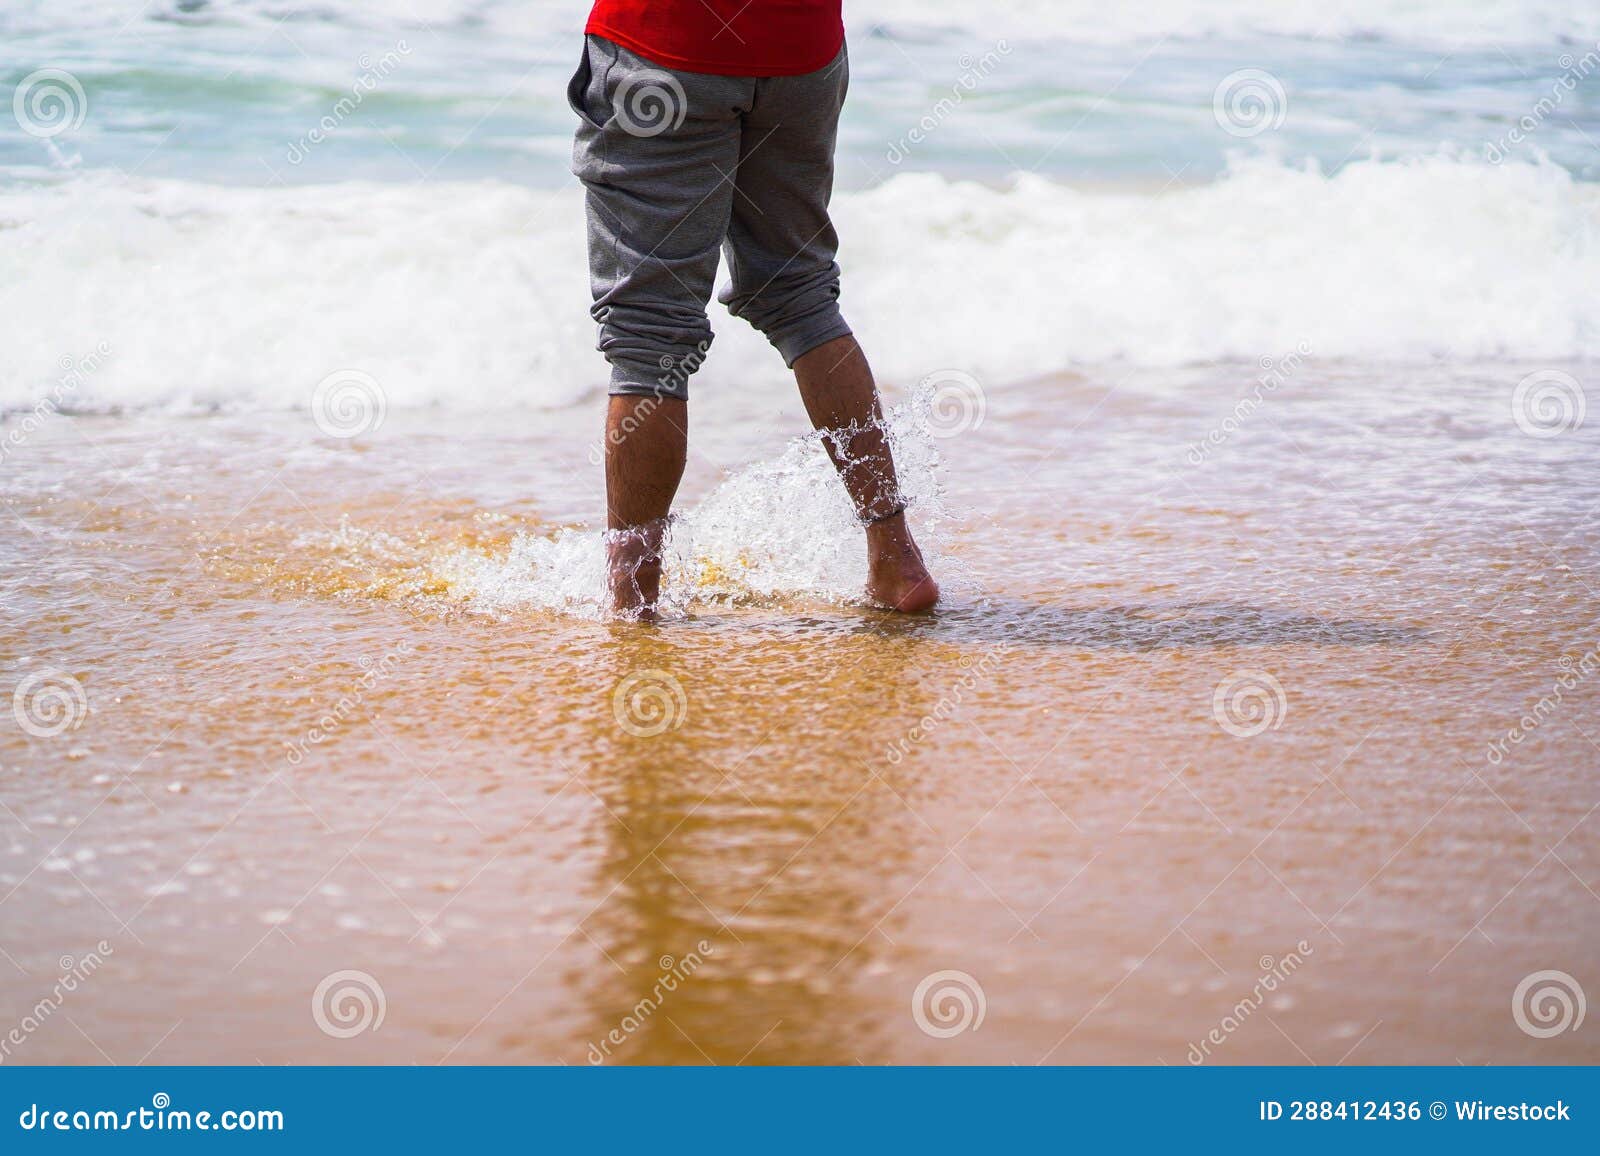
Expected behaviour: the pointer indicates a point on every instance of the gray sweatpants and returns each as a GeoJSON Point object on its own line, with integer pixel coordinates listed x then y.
{"type": "Point", "coordinates": [681, 164]}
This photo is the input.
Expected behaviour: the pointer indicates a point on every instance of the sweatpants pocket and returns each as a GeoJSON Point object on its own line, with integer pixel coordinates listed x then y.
{"type": "Point", "coordinates": [578, 88]}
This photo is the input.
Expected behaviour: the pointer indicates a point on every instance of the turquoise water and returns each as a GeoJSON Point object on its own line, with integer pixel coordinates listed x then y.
{"type": "Point", "coordinates": [235, 198]}
{"type": "Point", "coordinates": [223, 92]}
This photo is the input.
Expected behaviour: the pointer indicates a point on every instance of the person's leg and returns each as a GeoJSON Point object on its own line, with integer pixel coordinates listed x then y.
{"type": "Point", "coordinates": [785, 282]}
{"type": "Point", "coordinates": [842, 401]}
{"type": "Point", "coordinates": [647, 442]}
{"type": "Point", "coordinates": [651, 151]}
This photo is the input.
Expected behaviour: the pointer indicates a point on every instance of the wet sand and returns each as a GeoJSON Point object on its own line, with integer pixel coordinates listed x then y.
{"type": "Point", "coordinates": [1186, 721]}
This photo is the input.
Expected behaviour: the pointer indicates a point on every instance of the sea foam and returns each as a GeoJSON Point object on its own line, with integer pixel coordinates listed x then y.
{"type": "Point", "coordinates": [473, 295]}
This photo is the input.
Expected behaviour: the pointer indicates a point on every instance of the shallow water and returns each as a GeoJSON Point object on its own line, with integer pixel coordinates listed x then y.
{"type": "Point", "coordinates": [344, 708]}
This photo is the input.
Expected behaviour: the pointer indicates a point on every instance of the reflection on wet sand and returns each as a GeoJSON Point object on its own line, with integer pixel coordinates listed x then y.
{"type": "Point", "coordinates": [738, 854]}
{"type": "Point", "coordinates": [1149, 626]}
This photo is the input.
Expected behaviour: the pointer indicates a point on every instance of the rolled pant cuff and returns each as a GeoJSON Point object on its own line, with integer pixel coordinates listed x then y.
{"type": "Point", "coordinates": [801, 341]}
{"type": "Point", "coordinates": [634, 381]}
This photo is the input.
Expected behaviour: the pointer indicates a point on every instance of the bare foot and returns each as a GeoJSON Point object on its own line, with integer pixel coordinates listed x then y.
{"type": "Point", "coordinates": [897, 579]}
{"type": "Point", "coordinates": [633, 570]}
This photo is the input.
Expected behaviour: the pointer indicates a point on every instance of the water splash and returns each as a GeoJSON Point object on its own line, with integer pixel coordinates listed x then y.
{"type": "Point", "coordinates": [778, 529]}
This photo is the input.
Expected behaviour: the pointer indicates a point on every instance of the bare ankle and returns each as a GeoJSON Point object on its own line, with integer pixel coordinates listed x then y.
{"type": "Point", "coordinates": [889, 533]}
{"type": "Point", "coordinates": [633, 568]}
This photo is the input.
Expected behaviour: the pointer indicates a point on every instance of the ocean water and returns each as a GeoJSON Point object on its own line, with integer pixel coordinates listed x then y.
{"type": "Point", "coordinates": [1398, 181]}
{"type": "Point", "coordinates": [1239, 360]}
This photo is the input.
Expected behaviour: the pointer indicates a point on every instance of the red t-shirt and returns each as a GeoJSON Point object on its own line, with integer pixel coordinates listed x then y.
{"type": "Point", "coordinates": [726, 37]}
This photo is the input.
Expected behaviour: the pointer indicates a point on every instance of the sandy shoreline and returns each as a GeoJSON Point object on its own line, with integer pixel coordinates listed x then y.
{"type": "Point", "coordinates": [1181, 727]}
